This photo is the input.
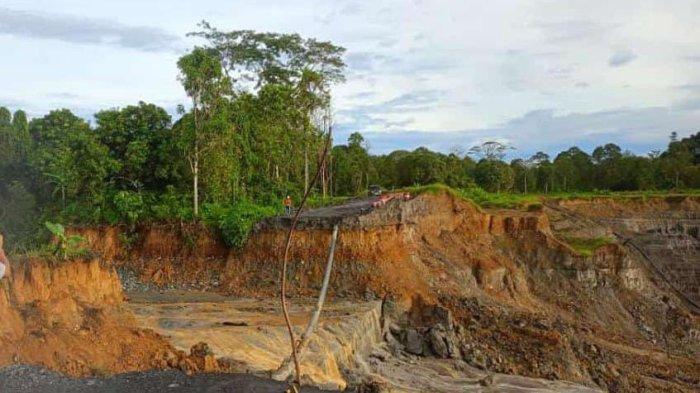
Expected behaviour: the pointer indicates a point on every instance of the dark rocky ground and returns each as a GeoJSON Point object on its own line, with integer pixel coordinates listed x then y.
{"type": "Point", "coordinates": [33, 379]}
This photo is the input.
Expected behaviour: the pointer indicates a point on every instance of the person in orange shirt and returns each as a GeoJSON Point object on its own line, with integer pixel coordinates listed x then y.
{"type": "Point", "coordinates": [288, 205]}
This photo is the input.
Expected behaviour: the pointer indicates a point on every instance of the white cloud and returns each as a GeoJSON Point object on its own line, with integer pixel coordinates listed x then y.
{"type": "Point", "coordinates": [81, 30]}
{"type": "Point", "coordinates": [429, 70]}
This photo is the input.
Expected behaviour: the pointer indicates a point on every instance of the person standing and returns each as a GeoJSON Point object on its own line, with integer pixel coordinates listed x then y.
{"type": "Point", "coordinates": [288, 205]}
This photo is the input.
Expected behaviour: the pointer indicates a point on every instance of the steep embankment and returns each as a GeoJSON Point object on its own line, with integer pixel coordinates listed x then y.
{"type": "Point", "coordinates": [67, 317]}
{"type": "Point", "coordinates": [508, 291]}
{"type": "Point", "coordinates": [516, 297]}
{"type": "Point", "coordinates": [70, 317]}
{"type": "Point", "coordinates": [665, 232]}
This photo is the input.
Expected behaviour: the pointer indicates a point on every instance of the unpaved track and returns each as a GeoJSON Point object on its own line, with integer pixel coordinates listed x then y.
{"type": "Point", "coordinates": [350, 208]}
{"type": "Point", "coordinates": [31, 379]}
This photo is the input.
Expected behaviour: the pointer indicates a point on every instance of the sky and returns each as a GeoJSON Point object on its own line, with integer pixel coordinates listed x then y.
{"type": "Point", "coordinates": [539, 75]}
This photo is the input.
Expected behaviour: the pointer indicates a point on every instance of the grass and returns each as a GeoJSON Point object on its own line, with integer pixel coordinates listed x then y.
{"type": "Point", "coordinates": [624, 194]}
{"type": "Point", "coordinates": [533, 202]}
{"type": "Point", "coordinates": [501, 200]}
{"type": "Point", "coordinates": [586, 246]}
{"type": "Point", "coordinates": [480, 197]}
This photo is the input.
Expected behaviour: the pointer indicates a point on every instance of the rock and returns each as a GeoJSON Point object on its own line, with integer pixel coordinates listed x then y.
{"type": "Point", "coordinates": [395, 329]}
{"type": "Point", "coordinates": [379, 354]}
{"type": "Point", "coordinates": [187, 366]}
{"type": "Point", "coordinates": [476, 358]}
{"type": "Point", "coordinates": [374, 385]}
{"type": "Point", "coordinates": [203, 357]}
{"type": "Point", "coordinates": [487, 380]}
{"type": "Point", "coordinates": [230, 365]}
{"type": "Point", "coordinates": [201, 349]}
{"type": "Point", "coordinates": [394, 345]}
{"type": "Point", "coordinates": [414, 342]}
{"type": "Point", "coordinates": [438, 342]}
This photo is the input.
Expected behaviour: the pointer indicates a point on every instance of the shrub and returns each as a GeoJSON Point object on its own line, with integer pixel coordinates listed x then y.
{"type": "Point", "coordinates": [237, 223]}
{"type": "Point", "coordinates": [172, 205]}
{"type": "Point", "coordinates": [67, 246]}
{"type": "Point", "coordinates": [129, 205]}
{"type": "Point", "coordinates": [587, 246]}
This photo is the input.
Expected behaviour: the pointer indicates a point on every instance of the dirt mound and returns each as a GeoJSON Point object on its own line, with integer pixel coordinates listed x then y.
{"type": "Point", "coordinates": [70, 317]}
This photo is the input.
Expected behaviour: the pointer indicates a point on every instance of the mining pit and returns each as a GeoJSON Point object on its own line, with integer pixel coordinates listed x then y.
{"type": "Point", "coordinates": [428, 294]}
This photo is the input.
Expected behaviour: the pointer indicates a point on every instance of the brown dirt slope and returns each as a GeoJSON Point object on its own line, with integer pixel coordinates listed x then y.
{"type": "Point", "coordinates": [70, 317]}
{"type": "Point", "coordinates": [511, 294]}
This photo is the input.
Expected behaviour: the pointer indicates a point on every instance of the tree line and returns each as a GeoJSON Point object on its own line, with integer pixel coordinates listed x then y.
{"type": "Point", "coordinates": [251, 134]}
{"type": "Point", "coordinates": [606, 168]}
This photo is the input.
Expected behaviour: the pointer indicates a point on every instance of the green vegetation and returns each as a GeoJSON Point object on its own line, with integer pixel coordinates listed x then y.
{"type": "Point", "coordinates": [237, 221]}
{"type": "Point", "coordinates": [67, 246]}
{"type": "Point", "coordinates": [587, 246]}
{"type": "Point", "coordinates": [259, 112]}
{"type": "Point", "coordinates": [500, 200]}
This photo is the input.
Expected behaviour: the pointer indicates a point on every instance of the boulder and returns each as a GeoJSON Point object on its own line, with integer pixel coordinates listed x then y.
{"type": "Point", "coordinates": [414, 342]}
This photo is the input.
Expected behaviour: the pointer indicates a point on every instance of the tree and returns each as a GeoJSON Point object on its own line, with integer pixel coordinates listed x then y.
{"type": "Point", "coordinates": [421, 166]}
{"type": "Point", "coordinates": [202, 77]}
{"type": "Point", "coordinates": [133, 135]}
{"type": "Point", "coordinates": [677, 160]}
{"type": "Point", "coordinates": [606, 159]}
{"type": "Point", "coordinates": [490, 150]}
{"type": "Point", "coordinates": [574, 169]}
{"type": "Point", "coordinates": [69, 156]}
{"type": "Point", "coordinates": [494, 175]}
{"type": "Point", "coordinates": [543, 170]}
{"type": "Point", "coordinates": [352, 166]}
{"type": "Point", "coordinates": [311, 66]}
{"type": "Point", "coordinates": [273, 58]}
{"type": "Point", "coordinates": [523, 176]}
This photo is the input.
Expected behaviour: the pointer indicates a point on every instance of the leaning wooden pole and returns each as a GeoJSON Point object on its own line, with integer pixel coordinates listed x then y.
{"type": "Point", "coordinates": [285, 263]}
{"type": "Point", "coordinates": [285, 369]}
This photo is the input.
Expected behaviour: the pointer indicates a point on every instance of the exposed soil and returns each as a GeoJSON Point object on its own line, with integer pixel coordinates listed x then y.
{"type": "Point", "coordinates": [69, 317]}
{"type": "Point", "coordinates": [500, 291]}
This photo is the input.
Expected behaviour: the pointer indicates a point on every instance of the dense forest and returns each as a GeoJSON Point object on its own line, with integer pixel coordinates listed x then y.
{"type": "Point", "coordinates": [607, 168]}
{"type": "Point", "coordinates": [252, 133]}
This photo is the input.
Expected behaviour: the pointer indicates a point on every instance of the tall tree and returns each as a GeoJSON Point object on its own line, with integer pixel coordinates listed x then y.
{"type": "Point", "coordinates": [261, 58]}
{"type": "Point", "coordinates": [490, 150]}
{"type": "Point", "coordinates": [204, 81]}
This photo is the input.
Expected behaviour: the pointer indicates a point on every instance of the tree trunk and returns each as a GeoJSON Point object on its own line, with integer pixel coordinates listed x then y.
{"type": "Point", "coordinates": [306, 168]}
{"type": "Point", "coordinates": [286, 368]}
{"type": "Point", "coordinates": [195, 161]}
{"type": "Point", "coordinates": [330, 175]}
{"type": "Point", "coordinates": [195, 182]}
{"type": "Point", "coordinates": [324, 178]}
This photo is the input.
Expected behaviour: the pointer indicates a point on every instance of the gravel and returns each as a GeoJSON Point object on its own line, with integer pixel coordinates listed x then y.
{"type": "Point", "coordinates": [34, 379]}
